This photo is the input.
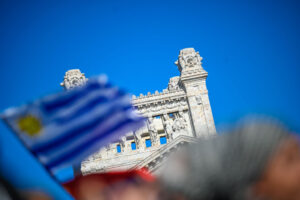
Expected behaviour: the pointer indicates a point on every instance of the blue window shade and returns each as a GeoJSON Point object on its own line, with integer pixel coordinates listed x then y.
{"type": "Point", "coordinates": [148, 143]}
{"type": "Point", "coordinates": [119, 148]}
{"type": "Point", "coordinates": [163, 140]}
{"type": "Point", "coordinates": [157, 117]}
{"type": "Point", "coordinates": [133, 146]}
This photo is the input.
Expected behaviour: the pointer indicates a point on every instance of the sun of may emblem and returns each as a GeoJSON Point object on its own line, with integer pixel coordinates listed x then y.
{"type": "Point", "coordinates": [30, 125]}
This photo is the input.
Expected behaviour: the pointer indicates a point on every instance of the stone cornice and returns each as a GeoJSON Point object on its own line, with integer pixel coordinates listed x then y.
{"type": "Point", "coordinates": [157, 97]}
{"type": "Point", "coordinates": [193, 74]}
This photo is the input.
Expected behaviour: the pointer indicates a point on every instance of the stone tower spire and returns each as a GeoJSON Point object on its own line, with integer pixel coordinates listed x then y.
{"type": "Point", "coordinates": [193, 78]}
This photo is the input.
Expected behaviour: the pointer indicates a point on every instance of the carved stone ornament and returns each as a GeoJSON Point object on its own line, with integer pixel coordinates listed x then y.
{"type": "Point", "coordinates": [173, 83]}
{"type": "Point", "coordinates": [168, 127]}
{"type": "Point", "coordinates": [182, 120]}
{"type": "Point", "coordinates": [188, 58]}
{"type": "Point", "coordinates": [137, 139]}
{"type": "Point", "coordinates": [152, 130]}
{"type": "Point", "coordinates": [179, 123]}
{"type": "Point", "coordinates": [122, 141]}
{"type": "Point", "coordinates": [73, 78]}
{"type": "Point", "coordinates": [167, 104]}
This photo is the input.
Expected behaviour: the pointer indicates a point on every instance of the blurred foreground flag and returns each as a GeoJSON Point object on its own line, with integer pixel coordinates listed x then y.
{"type": "Point", "coordinates": [63, 129]}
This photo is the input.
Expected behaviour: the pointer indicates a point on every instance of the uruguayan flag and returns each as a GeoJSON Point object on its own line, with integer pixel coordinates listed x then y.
{"type": "Point", "coordinates": [63, 129]}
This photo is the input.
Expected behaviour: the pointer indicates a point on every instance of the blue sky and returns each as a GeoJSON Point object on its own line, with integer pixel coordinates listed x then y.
{"type": "Point", "coordinates": [250, 50]}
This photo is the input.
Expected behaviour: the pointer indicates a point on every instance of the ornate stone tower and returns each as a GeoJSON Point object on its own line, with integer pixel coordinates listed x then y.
{"type": "Point", "coordinates": [193, 78]}
{"type": "Point", "coordinates": [177, 115]}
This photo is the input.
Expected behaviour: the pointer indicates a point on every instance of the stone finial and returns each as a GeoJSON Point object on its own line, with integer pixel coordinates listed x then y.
{"type": "Point", "coordinates": [188, 59]}
{"type": "Point", "coordinates": [173, 83]}
{"type": "Point", "coordinates": [73, 78]}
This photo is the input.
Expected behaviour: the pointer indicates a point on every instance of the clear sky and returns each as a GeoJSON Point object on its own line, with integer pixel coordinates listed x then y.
{"type": "Point", "coordinates": [250, 50]}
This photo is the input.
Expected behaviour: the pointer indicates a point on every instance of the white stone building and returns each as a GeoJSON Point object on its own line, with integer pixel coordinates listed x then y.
{"type": "Point", "coordinates": [177, 115]}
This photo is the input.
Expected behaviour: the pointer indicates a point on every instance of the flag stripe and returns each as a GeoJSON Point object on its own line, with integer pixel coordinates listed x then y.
{"type": "Point", "coordinates": [53, 131]}
{"type": "Point", "coordinates": [76, 131]}
{"type": "Point", "coordinates": [103, 127]}
{"type": "Point", "coordinates": [86, 108]}
{"type": "Point", "coordinates": [69, 110]}
{"type": "Point", "coordinates": [72, 96]}
{"type": "Point", "coordinates": [99, 143]}
{"type": "Point", "coordinates": [70, 154]}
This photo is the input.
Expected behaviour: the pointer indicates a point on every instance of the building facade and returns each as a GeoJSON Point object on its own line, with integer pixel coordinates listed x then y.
{"type": "Point", "coordinates": [177, 115]}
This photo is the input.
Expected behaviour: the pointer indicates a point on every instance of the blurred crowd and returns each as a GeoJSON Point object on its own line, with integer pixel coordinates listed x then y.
{"type": "Point", "coordinates": [257, 159]}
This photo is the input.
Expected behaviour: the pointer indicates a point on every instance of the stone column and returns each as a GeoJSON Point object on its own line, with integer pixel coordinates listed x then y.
{"type": "Point", "coordinates": [167, 122]}
{"type": "Point", "coordinates": [138, 139]}
{"type": "Point", "coordinates": [152, 131]}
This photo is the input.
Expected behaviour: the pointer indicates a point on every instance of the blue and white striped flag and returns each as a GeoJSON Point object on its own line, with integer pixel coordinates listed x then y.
{"type": "Point", "coordinates": [63, 129]}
